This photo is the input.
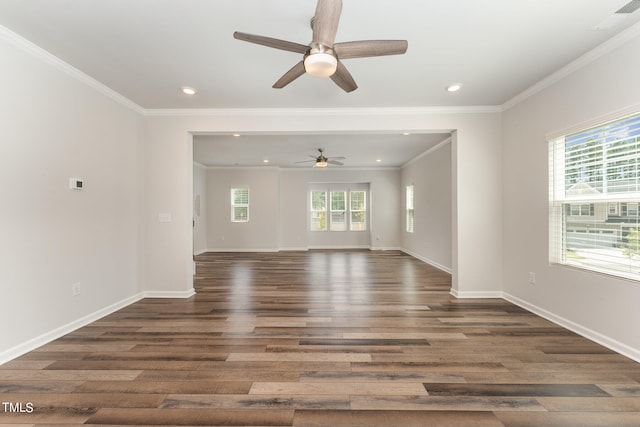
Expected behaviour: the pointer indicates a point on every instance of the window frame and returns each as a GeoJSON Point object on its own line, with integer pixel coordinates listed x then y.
{"type": "Point", "coordinates": [318, 215]}
{"type": "Point", "coordinates": [239, 206]}
{"type": "Point", "coordinates": [598, 167]}
{"type": "Point", "coordinates": [409, 208]}
{"type": "Point", "coordinates": [335, 209]}
{"type": "Point", "coordinates": [362, 225]}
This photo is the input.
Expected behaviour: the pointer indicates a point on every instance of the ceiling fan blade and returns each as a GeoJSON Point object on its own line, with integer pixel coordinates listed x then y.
{"type": "Point", "coordinates": [271, 42]}
{"type": "Point", "coordinates": [325, 21]}
{"type": "Point", "coordinates": [342, 77]}
{"type": "Point", "coordinates": [333, 162]}
{"type": "Point", "coordinates": [368, 48]}
{"type": "Point", "coordinates": [295, 72]}
{"type": "Point", "coordinates": [306, 161]}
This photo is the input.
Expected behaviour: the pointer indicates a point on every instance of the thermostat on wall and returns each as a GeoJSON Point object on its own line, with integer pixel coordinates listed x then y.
{"type": "Point", "coordinates": [76, 184]}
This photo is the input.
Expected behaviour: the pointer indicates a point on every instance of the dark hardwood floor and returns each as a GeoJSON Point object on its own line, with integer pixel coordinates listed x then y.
{"type": "Point", "coordinates": [321, 338]}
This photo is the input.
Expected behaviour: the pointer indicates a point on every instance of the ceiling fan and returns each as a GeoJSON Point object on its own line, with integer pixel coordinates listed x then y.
{"type": "Point", "coordinates": [323, 57]}
{"type": "Point", "coordinates": [322, 162]}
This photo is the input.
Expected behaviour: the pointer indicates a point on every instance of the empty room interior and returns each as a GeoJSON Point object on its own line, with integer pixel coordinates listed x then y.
{"type": "Point", "coordinates": [320, 212]}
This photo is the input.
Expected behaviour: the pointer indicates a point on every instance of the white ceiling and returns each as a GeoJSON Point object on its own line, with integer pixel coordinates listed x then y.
{"type": "Point", "coordinates": [147, 49]}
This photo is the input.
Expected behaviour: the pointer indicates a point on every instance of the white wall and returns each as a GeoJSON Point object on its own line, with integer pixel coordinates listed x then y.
{"type": "Point", "coordinates": [477, 189]}
{"type": "Point", "coordinates": [52, 128]}
{"type": "Point", "coordinates": [430, 175]}
{"type": "Point", "coordinates": [278, 209]}
{"type": "Point", "coordinates": [199, 209]}
{"type": "Point", "coordinates": [604, 308]}
{"type": "Point", "coordinates": [382, 227]}
{"type": "Point", "coordinates": [260, 233]}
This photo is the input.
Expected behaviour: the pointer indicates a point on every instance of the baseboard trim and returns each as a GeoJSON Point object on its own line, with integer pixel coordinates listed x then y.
{"type": "Point", "coordinates": [618, 347]}
{"type": "Point", "coordinates": [169, 294]}
{"type": "Point", "coordinates": [476, 295]}
{"type": "Point", "coordinates": [428, 261]}
{"type": "Point", "coordinates": [47, 337]}
{"type": "Point", "coordinates": [240, 250]}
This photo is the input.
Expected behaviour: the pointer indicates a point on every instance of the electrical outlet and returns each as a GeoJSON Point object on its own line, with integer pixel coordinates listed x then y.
{"type": "Point", "coordinates": [75, 289]}
{"type": "Point", "coordinates": [532, 278]}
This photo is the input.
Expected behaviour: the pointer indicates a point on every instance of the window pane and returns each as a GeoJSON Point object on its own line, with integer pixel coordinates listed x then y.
{"type": "Point", "coordinates": [357, 221]}
{"type": "Point", "coordinates": [409, 208]}
{"type": "Point", "coordinates": [338, 222]}
{"type": "Point", "coordinates": [318, 221]}
{"type": "Point", "coordinates": [240, 214]}
{"type": "Point", "coordinates": [357, 200]}
{"type": "Point", "coordinates": [240, 196]}
{"type": "Point", "coordinates": [338, 200]}
{"type": "Point", "coordinates": [318, 200]}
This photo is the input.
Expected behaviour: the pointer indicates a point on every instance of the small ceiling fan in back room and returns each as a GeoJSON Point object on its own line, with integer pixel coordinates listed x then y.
{"type": "Point", "coordinates": [323, 57]}
{"type": "Point", "coordinates": [321, 161]}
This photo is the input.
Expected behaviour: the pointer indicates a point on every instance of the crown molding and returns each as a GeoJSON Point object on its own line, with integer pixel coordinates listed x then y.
{"type": "Point", "coordinates": [314, 112]}
{"type": "Point", "coordinates": [584, 60]}
{"type": "Point", "coordinates": [50, 59]}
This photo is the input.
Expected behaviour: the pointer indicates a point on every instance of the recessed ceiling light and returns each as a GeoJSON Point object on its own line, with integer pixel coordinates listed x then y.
{"type": "Point", "coordinates": [236, 135]}
{"type": "Point", "coordinates": [265, 161]}
{"type": "Point", "coordinates": [378, 160]}
{"type": "Point", "coordinates": [454, 87]}
{"type": "Point", "coordinates": [188, 90]}
{"type": "Point", "coordinates": [406, 133]}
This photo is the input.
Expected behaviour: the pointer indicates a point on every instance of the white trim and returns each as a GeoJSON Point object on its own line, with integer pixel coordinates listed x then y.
{"type": "Point", "coordinates": [169, 294]}
{"type": "Point", "coordinates": [241, 250]}
{"type": "Point", "coordinates": [574, 66]}
{"type": "Point", "coordinates": [294, 249]}
{"type": "Point", "coordinates": [476, 295]}
{"type": "Point", "coordinates": [593, 122]}
{"type": "Point", "coordinates": [36, 51]}
{"type": "Point", "coordinates": [428, 261]}
{"type": "Point", "coordinates": [47, 337]}
{"type": "Point", "coordinates": [340, 247]}
{"type": "Point", "coordinates": [313, 112]}
{"type": "Point", "coordinates": [386, 248]}
{"type": "Point", "coordinates": [597, 337]}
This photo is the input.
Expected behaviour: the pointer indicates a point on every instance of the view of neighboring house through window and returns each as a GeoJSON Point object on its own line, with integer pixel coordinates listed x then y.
{"type": "Point", "coordinates": [239, 205]}
{"type": "Point", "coordinates": [409, 207]}
{"type": "Point", "coordinates": [594, 198]}
{"type": "Point", "coordinates": [338, 210]}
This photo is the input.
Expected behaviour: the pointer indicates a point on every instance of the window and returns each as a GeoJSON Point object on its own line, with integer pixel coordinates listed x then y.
{"type": "Point", "coordinates": [318, 210]}
{"type": "Point", "coordinates": [338, 210]}
{"type": "Point", "coordinates": [239, 205]}
{"type": "Point", "coordinates": [594, 198]}
{"type": "Point", "coordinates": [358, 210]}
{"type": "Point", "coordinates": [409, 204]}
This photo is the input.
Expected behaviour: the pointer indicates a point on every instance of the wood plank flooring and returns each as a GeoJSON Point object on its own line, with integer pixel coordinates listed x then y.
{"type": "Point", "coordinates": [321, 338]}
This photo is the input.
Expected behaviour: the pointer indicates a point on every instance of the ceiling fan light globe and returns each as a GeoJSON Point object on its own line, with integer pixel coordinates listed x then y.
{"type": "Point", "coordinates": [320, 64]}
{"type": "Point", "coordinates": [321, 164]}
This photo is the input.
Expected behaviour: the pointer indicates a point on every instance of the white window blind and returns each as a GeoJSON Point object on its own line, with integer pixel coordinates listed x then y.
{"type": "Point", "coordinates": [594, 193]}
{"type": "Point", "coordinates": [409, 208]}
{"type": "Point", "coordinates": [239, 205]}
